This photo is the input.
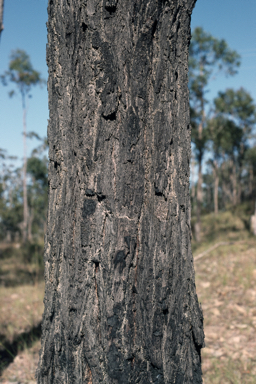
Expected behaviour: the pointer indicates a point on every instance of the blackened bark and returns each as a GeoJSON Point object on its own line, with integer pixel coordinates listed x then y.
{"type": "Point", "coordinates": [120, 300]}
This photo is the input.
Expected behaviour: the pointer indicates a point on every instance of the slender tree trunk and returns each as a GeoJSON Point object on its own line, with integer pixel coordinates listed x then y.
{"type": "Point", "coordinates": [24, 180]}
{"type": "Point", "coordinates": [216, 187]}
{"type": "Point", "coordinates": [199, 200]}
{"type": "Point", "coordinates": [250, 180]}
{"type": "Point", "coordinates": [1, 16]}
{"type": "Point", "coordinates": [120, 300]}
{"type": "Point", "coordinates": [30, 222]}
{"type": "Point", "coordinates": [193, 187]}
{"type": "Point", "coordinates": [239, 184]}
{"type": "Point", "coordinates": [234, 183]}
{"type": "Point", "coordinates": [226, 184]}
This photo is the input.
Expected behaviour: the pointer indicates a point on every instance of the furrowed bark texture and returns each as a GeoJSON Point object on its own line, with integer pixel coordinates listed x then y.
{"type": "Point", "coordinates": [120, 301]}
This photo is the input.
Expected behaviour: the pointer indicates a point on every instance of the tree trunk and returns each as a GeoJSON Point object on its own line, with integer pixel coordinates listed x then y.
{"type": "Point", "coordinates": [193, 186]}
{"type": "Point", "coordinates": [30, 222]}
{"type": "Point", "coordinates": [234, 183]}
{"type": "Point", "coordinates": [239, 185]}
{"type": "Point", "coordinates": [1, 16]}
{"type": "Point", "coordinates": [216, 187]}
{"type": "Point", "coordinates": [24, 180]}
{"type": "Point", "coordinates": [120, 300]}
{"type": "Point", "coordinates": [250, 180]}
{"type": "Point", "coordinates": [199, 200]}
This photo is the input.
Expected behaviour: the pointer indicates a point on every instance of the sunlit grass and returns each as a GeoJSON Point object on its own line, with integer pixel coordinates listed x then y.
{"type": "Point", "coordinates": [226, 287]}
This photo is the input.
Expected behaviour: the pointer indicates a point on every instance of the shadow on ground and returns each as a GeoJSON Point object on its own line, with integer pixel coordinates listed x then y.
{"type": "Point", "coordinates": [9, 350]}
{"type": "Point", "coordinates": [20, 276]}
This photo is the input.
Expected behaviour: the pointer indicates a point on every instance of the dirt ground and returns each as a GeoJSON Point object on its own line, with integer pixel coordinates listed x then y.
{"type": "Point", "coordinates": [226, 287]}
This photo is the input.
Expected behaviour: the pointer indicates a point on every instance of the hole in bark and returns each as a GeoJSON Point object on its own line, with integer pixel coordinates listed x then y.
{"type": "Point", "coordinates": [74, 153]}
{"type": "Point", "coordinates": [182, 207]}
{"type": "Point", "coordinates": [97, 263]}
{"type": "Point", "coordinates": [111, 6]}
{"type": "Point", "coordinates": [101, 197]}
{"type": "Point", "coordinates": [55, 164]}
{"type": "Point", "coordinates": [154, 28]}
{"type": "Point", "coordinates": [84, 27]}
{"type": "Point", "coordinates": [176, 75]}
{"type": "Point", "coordinates": [158, 192]}
{"type": "Point", "coordinates": [134, 289]}
{"type": "Point", "coordinates": [110, 117]}
{"type": "Point", "coordinates": [165, 311]}
{"type": "Point", "coordinates": [171, 142]}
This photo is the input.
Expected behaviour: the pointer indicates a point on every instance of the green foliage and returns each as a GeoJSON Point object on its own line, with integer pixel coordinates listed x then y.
{"type": "Point", "coordinates": [11, 196]}
{"type": "Point", "coordinates": [238, 106]}
{"type": "Point", "coordinates": [225, 136]}
{"type": "Point", "coordinates": [21, 73]}
{"type": "Point", "coordinates": [208, 56]}
{"type": "Point", "coordinates": [224, 128]}
{"type": "Point", "coordinates": [250, 158]}
{"type": "Point", "coordinates": [37, 168]}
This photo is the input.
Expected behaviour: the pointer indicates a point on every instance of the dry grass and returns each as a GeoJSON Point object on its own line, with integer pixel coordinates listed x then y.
{"type": "Point", "coordinates": [225, 280]}
{"type": "Point", "coordinates": [21, 303]}
{"type": "Point", "coordinates": [20, 329]}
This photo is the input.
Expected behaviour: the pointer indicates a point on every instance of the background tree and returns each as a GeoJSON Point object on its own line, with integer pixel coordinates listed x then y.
{"type": "Point", "coordinates": [225, 138]}
{"type": "Point", "coordinates": [1, 16]}
{"type": "Point", "coordinates": [11, 194]}
{"type": "Point", "coordinates": [250, 161]}
{"type": "Point", "coordinates": [120, 299]}
{"type": "Point", "coordinates": [238, 107]}
{"type": "Point", "coordinates": [208, 56]}
{"type": "Point", "coordinates": [10, 207]}
{"type": "Point", "coordinates": [22, 74]}
{"type": "Point", "coordinates": [37, 196]}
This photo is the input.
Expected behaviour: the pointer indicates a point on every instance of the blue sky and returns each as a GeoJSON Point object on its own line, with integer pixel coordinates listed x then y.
{"type": "Point", "coordinates": [25, 28]}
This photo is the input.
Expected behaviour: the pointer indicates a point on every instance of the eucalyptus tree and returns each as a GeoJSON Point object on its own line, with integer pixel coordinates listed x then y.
{"type": "Point", "coordinates": [235, 118]}
{"type": "Point", "coordinates": [120, 298]}
{"type": "Point", "coordinates": [208, 57]}
{"type": "Point", "coordinates": [37, 195]}
{"type": "Point", "coordinates": [225, 137]}
{"type": "Point", "coordinates": [24, 76]}
{"type": "Point", "coordinates": [250, 161]}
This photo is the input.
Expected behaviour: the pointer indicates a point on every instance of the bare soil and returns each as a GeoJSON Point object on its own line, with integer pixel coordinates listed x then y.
{"type": "Point", "coordinates": [226, 287]}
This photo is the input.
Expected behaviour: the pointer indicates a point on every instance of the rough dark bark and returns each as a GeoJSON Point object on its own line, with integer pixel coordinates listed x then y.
{"type": "Point", "coordinates": [120, 300]}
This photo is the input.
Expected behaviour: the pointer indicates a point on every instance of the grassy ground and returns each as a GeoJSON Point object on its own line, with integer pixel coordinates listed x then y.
{"type": "Point", "coordinates": [226, 288]}
{"type": "Point", "coordinates": [225, 279]}
{"type": "Point", "coordinates": [21, 303]}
